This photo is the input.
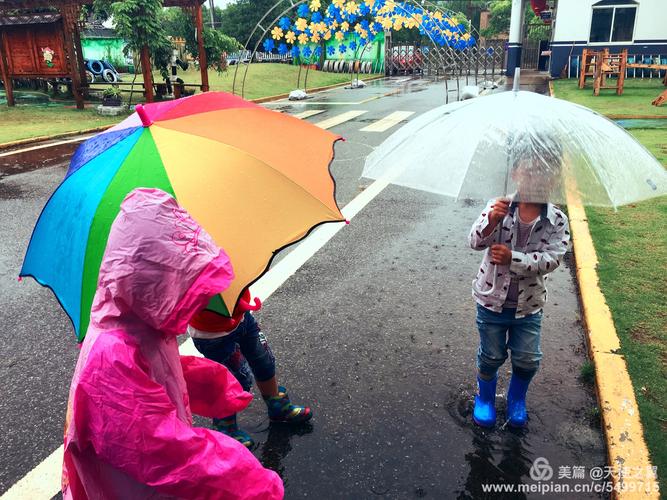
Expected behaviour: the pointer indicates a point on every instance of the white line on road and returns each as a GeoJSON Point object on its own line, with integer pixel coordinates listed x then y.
{"type": "Point", "coordinates": [43, 482]}
{"type": "Point", "coordinates": [341, 118]}
{"type": "Point", "coordinates": [43, 146]}
{"type": "Point", "coordinates": [307, 114]}
{"type": "Point", "coordinates": [388, 121]}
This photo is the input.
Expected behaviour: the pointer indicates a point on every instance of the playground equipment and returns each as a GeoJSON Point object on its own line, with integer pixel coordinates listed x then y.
{"type": "Point", "coordinates": [100, 70]}
{"type": "Point", "coordinates": [601, 65]}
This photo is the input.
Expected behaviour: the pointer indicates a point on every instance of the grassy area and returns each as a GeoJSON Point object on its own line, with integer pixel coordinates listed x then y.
{"type": "Point", "coordinates": [632, 249]}
{"type": "Point", "coordinates": [636, 98]}
{"type": "Point", "coordinates": [25, 121]}
{"type": "Point", "coordinates": [263, 80]}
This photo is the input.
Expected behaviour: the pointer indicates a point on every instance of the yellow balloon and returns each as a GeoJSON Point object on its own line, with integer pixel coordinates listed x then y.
{"type": "Point", "coordinates": [315, 5]}
{"type": "Point", "coordinates": [301, 24]}
{"type": "Point", "coordinates": [290, 37]}
{"type": "Point", "coordinates": [276, 33]}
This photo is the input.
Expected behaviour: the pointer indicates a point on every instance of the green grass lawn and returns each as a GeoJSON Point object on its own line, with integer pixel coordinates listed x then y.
{"type": "Point", "coordinates": [632, 250]}
{"type": "Point", "coordinates": [263, 80]}
{"type": "Point", "coordinates": [25, 121]}
{"type": "Point", "coordinates": [636, 98]}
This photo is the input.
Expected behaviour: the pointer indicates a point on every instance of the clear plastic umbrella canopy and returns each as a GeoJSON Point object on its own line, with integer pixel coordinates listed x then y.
{"type": "Point", "coordinates": [519, 142]}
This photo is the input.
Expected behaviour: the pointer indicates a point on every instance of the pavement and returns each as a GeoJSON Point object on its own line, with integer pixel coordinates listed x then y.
{"type": "Point", "coordinates": [375, 331]}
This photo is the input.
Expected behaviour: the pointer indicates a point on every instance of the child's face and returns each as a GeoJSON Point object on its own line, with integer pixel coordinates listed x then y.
{"type": "Point", "coordinates": [534, 183]}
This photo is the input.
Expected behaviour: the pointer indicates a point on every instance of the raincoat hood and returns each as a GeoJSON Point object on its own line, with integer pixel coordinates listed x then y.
{"type": "Point", "coordinates": [159, 267]}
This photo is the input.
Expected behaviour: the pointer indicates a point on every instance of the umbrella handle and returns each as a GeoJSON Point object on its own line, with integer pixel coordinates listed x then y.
{"type": "Point", "coordinates": [246, 306]}
{"type": "Point", "coordinates": [495, 266]}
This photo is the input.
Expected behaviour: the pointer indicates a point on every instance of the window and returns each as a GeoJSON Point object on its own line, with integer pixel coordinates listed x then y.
{"type": "Point", "coordinates": [612, 24]}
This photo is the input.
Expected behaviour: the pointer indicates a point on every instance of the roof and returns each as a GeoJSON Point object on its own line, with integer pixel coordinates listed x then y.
{"type": "Point", "coordinates": [95, 29]}
{"type": "Point", "coordinates": [44, 18]}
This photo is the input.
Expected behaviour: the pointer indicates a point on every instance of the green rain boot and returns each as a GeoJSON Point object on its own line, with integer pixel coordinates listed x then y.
{"type": "Point", "coordinates": [229, 427]}
{"type": "Point", "coordinates": [282, 410]}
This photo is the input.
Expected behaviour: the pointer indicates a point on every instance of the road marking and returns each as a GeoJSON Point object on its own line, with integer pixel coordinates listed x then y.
{"type": "Point", "coordinates": [388, 121]}
{"type": "Point", "coordinates": [43, 482]}
{"type": "Point", "coordinates": [307, 114]}
{"type": "Point", "coordinates": [341, 118]}
{"type": "Point", "coordinates": [335, 103]}
{"type": "Point", "coordinates": [43, 146]}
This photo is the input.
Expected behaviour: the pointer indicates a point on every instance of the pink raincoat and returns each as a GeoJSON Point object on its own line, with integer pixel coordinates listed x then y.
{"type": "Point", "coordinates": [128, 431]}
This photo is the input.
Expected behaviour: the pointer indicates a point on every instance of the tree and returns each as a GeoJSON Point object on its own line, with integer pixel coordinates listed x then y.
{"type": "Point", "coordinates": [178, 23]}
{"type": "Point", "coordinates": [240, 18]}
{"type": "Point", "coordinates": [136, 22]}
{"type": "Point", "coordinates": [501, 15]}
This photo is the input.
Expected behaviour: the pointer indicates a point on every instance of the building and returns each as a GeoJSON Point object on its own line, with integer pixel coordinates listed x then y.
{"type": "Point", "coordinates": [101, 42]}
{"type": "Point", "coordinates": [638, 25]}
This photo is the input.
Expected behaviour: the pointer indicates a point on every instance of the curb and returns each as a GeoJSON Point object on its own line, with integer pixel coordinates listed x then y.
{"type": "Point", "coordinates": [43, 138]}
{"type": "Point", "coordinates": [31, 140]}
{"type": "Point", "coordinates": [623, 430]}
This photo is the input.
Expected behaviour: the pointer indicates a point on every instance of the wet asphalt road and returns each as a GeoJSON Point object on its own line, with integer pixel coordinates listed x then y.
{"type": "Point", "coordinates": [376, 332]}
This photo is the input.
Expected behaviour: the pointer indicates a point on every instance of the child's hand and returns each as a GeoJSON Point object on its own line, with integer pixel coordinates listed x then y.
{"type": "Point", "coordinates": [499, 210]}
{"type": "Point", "coordinates": [500, 255]}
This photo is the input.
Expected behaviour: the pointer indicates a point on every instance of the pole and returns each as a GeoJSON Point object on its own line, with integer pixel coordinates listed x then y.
{"type": "Point", "coordinates": [203, 66]}
{"type": "Point", "coordinates": [211, 8]}
{"type": "Point", "coordinates": [515, 42]}
{"type": "Point", "coordinates": [147, 73]}
{"type": "Point", "coordinates": [6, 77]}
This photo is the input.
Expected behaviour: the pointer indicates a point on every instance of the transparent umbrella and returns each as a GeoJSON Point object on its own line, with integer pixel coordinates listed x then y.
{"type": "Point", "coordinates": [499, 144]}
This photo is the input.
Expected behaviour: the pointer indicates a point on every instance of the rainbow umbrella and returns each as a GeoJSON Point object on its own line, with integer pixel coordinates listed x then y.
{"type": "Point", "coordinates": [255, 179]}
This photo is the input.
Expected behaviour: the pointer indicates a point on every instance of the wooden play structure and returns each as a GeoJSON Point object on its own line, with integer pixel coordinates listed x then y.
{"type": "Point", "coordinates": [35, 44]}
{"type": "Point", "coordinates": [41, 40]}
{"type": "Point", "coordinates": [603, 67]}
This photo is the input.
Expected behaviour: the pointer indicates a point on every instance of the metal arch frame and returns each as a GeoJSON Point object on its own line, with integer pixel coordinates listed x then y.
{"type": "Point", "coordinates": [459, 58]}
{"type": "Point", "coordinates": [292, 5]}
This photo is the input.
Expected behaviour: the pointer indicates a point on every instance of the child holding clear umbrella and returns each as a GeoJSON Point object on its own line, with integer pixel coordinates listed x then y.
{"type": "Point", "coordinates": [524, 237]}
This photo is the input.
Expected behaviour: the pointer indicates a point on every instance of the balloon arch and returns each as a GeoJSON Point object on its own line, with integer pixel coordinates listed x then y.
{"type": "Point", "coordinates": [306, 31]}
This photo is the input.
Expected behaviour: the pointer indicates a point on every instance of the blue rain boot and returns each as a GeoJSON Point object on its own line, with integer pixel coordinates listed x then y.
{"type": "Point", "coordinates": [484, 413]}
{"type": "Point", "coordinates": [229, 427]}
{"type": "Point", "coordinates": [516, 401]}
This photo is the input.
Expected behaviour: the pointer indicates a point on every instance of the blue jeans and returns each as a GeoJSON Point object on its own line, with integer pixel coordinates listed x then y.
{"type": "Point", "coordinates": [244, 352]}
{"type": "Point", "coordinates": [499, 332]}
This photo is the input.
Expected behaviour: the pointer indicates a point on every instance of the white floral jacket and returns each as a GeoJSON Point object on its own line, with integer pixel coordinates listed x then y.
{"type": "Point", "coordinates": [547, 244]}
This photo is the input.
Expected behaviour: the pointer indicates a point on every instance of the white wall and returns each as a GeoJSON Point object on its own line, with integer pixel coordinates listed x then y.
{"type": "Point", "coordinates": [573, 20]}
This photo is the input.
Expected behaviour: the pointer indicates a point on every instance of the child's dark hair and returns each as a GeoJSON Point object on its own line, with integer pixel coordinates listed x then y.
{"type": "Point", "coordinates": [542, 152]}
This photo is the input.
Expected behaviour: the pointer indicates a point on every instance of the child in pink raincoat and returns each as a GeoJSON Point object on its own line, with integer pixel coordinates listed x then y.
{"type": "Point", "coordinates": [128, 431]}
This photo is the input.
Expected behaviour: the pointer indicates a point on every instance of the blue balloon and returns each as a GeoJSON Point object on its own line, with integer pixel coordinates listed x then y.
{"type": "Point", "coordinates": [282, 49]}
{"type": "Point", "coordinates": [318, 51]}
{"type": "Point", "coordinates": [306, 52]}
{"type": "Point", "coordinates": [316, 17]}
{"type": "Point", "coordinates": [268, 45]}
{"type": "Point", "coordinates": [295, 51]}
{"type": "Point", "coordinates": [303, 10]}
{"type": "Point", "coordinates": [331, 50]}
{"type": "Point", "coordinates": [342, 48]}
{"type": "Point", "coordinates": [285, 23]}
{"type": "Point", "coordinates": [353, 45]}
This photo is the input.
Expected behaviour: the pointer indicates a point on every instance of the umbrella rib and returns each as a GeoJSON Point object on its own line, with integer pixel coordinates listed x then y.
{"type": "Point", "coordinates": [259, 160]}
